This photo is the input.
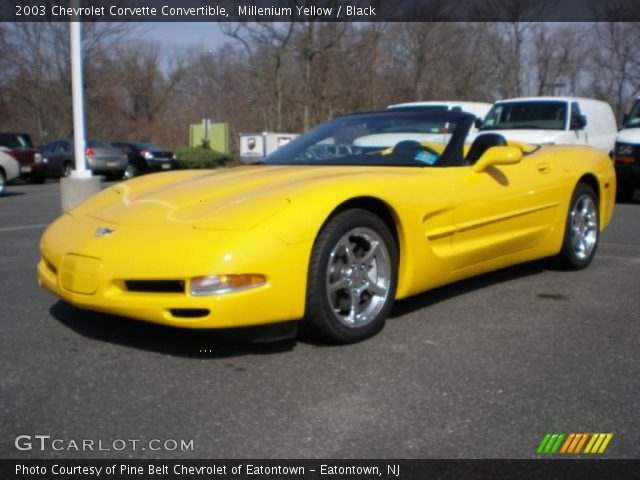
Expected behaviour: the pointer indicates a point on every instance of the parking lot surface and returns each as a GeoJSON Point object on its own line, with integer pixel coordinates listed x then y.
{"type": "Point", "coordinates": [479, 369]}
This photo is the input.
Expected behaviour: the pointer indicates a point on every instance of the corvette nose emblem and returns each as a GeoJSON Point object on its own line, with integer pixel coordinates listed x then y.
{"type": "Point", "coordinates": [103, 232]}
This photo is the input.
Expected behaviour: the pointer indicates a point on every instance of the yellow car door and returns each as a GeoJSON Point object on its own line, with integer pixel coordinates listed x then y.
{"type": "Point", "coordinates": [502, 210]}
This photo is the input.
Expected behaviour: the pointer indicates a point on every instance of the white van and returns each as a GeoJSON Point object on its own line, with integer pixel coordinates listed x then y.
{"type": "Point", "coordinates": [558, 120]}
{"type": "Point", "coordinates": [627, 154]}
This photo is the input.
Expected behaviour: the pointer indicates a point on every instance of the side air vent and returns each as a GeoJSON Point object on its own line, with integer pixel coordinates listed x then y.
{"type": "Point", "coordinates": [189, 312]}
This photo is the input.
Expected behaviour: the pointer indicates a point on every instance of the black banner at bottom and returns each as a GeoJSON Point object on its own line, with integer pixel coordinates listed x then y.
{"type": "Point", "coordinates": [565, 469]}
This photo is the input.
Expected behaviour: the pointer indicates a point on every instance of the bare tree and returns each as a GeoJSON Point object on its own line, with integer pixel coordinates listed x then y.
{"type": "Point", "coordinates": [615, 63]}
{"type": "Point", "coordinates": [511, 21]}
{"type": "Point", "coordinates": [37, 71]}
{"type": "Point", "coordinates": [265, 40]}
{"type": "Point", "coordinates": [557, 57]}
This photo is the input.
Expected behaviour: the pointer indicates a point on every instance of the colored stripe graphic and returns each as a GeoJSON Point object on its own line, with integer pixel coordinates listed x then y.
{"type": "Point", "coordinates": [550, 443]}
{"type": "Point", "coordinates": [543, 443]}
{"type": "Point", "coordinates": [581, 443]}
{"type": "Point", "coordinates": [574, 442]}
{"type": "Point", "coordinates": [598, 443]}
{"type": "Point", "coordinates": [568, 442]}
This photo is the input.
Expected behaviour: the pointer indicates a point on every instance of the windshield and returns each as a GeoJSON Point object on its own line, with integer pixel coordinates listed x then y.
{"type": "Point", "coordinates": [392, 138]}
{"type": "Point", "coordinates": [633, 119]}
{"type": "Point", "coordinates": [15, 140]}
{"type": "Point", "coordinates": [526, 115]}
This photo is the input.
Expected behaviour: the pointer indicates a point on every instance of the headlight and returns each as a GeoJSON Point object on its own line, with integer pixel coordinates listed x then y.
{"type": "Point", "coordinates": [37, 158]}
{"type": "Point", "coordinates": [624, 149]}
{"type": "Point", "coordinates": [217, 284]}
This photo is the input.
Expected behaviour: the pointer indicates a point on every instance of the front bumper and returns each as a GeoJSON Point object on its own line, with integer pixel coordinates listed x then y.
{"type": "Point", "coordinates": [91, 272]}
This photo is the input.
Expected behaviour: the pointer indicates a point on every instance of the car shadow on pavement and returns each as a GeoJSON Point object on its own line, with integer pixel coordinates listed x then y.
{"type": "Point", "coordinates": [441, 294]}
{"type": "Point", "coordinates": [163, 339]}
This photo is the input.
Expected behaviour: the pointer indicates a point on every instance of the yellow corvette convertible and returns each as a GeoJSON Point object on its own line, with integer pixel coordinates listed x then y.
{"type": "Point", "coordinates": [330, 229]}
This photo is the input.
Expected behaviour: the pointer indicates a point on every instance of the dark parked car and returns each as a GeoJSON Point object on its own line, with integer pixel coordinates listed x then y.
{"type": "Point", "coordinates": [146, 157]}
{"type": "Point", "coordinates": [102, 158]}
{"type": "Point", "coordinates": [32, 169]}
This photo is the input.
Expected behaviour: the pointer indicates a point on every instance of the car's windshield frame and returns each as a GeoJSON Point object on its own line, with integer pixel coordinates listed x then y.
{"type": "Point", "coordinates": [452, 154]}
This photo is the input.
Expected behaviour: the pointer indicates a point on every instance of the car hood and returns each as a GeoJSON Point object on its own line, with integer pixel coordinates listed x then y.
{"type": "Point", "coordinates": [533, 136]}
{"type": "Point", "coordinates": [629, 135]}
{"type": "Point", "coordinates": [231, 198]}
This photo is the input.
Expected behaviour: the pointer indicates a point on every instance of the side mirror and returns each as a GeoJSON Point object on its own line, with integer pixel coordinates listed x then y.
{"type": "Point", "coordinates": [478, 122]}
{"type": "Point", "coordinates": [578, 122]}
{"type": "Point", "coordinates": [497, 156]}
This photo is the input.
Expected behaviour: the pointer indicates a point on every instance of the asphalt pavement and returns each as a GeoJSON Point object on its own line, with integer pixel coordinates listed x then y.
{"type": "Point", "coordinates": [480, 369]}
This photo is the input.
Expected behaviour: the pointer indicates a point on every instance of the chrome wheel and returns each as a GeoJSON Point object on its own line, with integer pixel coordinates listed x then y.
{"type": "Point", "coordinates": [358, 277]}
{"type": "Point", "coordinates": [581, 232]}
{"type": "Point", "coordinates": [584, 226]}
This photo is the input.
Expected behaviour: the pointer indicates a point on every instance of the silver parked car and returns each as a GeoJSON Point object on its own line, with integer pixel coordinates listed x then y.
{"type": "Point", "coordinates": [102, 158]}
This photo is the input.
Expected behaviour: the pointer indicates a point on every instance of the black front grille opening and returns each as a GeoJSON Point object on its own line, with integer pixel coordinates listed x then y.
{"type": "Point", "coordinates": [50, 266]}
{"type": "Point", "coordinates": [189, 312]}
{"type": "Point", "coordinates": [155, 286]}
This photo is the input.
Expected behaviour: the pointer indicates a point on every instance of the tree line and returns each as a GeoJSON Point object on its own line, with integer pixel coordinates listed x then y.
{"type": "Point", "coordinates": [289, 76]}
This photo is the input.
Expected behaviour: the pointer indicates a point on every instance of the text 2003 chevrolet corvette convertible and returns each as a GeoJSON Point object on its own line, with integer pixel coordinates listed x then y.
{"type": "Point", "coordinates": [331, 229]}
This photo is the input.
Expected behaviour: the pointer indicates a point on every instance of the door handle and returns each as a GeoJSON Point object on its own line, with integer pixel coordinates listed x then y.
{"type": "Point", "coordinates": [544, 167]}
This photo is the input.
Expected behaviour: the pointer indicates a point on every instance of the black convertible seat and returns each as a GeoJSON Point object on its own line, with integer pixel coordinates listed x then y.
{"type": "Point", "coordinates": [481, 144]}
{"type": "Point", "coordinates": [407, 146]}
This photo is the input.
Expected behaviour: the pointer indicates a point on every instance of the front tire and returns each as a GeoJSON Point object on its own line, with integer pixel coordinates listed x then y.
{"type": "Point", "coordinates": [582, 229]}
{"type": "Point", "coordinates": [353, 276]}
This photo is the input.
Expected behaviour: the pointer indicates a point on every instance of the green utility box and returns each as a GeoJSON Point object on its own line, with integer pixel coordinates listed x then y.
{"type": "Point", "coordinates": [218, 136]}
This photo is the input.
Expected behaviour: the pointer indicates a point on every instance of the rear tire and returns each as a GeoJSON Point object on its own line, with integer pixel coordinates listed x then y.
{"type": "Point", "coordinates": [352, 278]}
{"type": "Point", "coordinates": [3, 182]}
{"type": "Point", "coordinates": [582, 229]}
{"type": "Point", "coordinates": [130, 172]}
